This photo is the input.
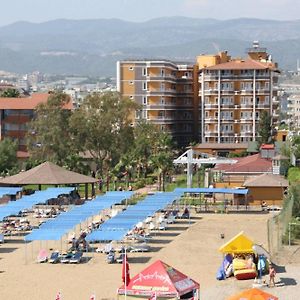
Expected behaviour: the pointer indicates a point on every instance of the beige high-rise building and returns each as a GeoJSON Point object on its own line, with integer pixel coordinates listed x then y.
{"type": "Point", "coordinates": [166, 93]}
{"type": "Point", "coordinates": [219, 99]}
{"type": "Point", "coordinates": [234, 92]}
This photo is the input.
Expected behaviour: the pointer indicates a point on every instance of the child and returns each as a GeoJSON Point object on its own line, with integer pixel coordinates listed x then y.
{"type": "Point", "coordinates": [272, 274]}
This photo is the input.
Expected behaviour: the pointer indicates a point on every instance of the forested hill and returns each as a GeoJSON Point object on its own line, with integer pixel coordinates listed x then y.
{"type": "Point", "coordinates": [91, 47]}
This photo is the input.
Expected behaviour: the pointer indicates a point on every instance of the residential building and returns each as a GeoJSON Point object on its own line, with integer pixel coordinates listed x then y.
{"type": "Point", "coordinates": [167, 94]}
{"type": "Point", "coordinates": [15, 113]}
{"type": "Point", "coordinates": [233, 93]}
{"type": "Point", "coordinates": [219, 99]}
{"type": "Point", "coordinates": [294, 111]}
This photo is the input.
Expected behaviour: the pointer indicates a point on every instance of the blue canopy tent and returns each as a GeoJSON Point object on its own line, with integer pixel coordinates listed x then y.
{"type": "Point", "coordinates": [128, 219]}
{"type": "Point", "coordinates": [237, 192]}
{"type": "Point", "coordinates": [27, 202]}
{"type": "Point", "coordinates": [9, 191]}
{"type": "Point", "coordinates": [66, 221]}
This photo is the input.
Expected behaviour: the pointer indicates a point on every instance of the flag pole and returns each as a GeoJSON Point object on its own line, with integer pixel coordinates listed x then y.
{"type": "Point", "coordinates": [125, 281]}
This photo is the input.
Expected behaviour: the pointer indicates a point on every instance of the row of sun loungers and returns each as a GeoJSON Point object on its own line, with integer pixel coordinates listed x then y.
{"type": "Point", "coordinates": [56, 257]}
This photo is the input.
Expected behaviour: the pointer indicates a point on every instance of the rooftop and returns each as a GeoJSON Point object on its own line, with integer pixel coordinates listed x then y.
{"type": "Point", "coordinates": [247, 64]}
{"type": "Point", "coordinates": [221, 146]}
{"type": "Point", "coordinates": [266, 180]}
{"type": "Point", "coordinates": [26, 102]}
{"type": "Point", "coordinates": [249, 164]}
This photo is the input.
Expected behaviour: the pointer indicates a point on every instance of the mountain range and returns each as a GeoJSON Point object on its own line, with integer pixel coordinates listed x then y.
{"type": "Point", "coordinates": [92, 47]}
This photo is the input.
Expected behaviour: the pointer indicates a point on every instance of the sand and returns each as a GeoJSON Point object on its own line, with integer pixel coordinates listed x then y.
{"type": "Point", "coordinates": [191, 248]}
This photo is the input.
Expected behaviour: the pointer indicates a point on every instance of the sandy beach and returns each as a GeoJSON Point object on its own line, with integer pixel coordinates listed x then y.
{"type": "Point", "coordinates": [191, 248]}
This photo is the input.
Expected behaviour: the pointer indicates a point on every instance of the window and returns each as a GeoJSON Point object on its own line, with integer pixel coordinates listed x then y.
{"type": "Point", "coordinates": [144, 71]}
{"type": "Point", "coordinates": [267, 85]}
{"type": "Point", "coordinates": [131, 68]}
{"type": "Point", "coordinates": [145, 114]}
{"type": "Point", "coordinates": [144, 85]}
{"type": "Point", "coordinates": [145, 100]}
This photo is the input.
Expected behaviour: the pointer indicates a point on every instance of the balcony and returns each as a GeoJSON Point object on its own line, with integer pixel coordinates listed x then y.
{"type": "Point", "coordinates": [247, 92]}
{"type": "Point", "coordinates": [245, 120]}
{"type": "Point", "coordinates": [155, 92]}
{"type": "Point", "coordinates": [247, 105]}
{"type": "Point", "coordinates": [224, 120]}
{"type": "Point", "coordinates": [262, 106]}
{"type": "Point", "coordinates": [208, 77]}
{"type": "Point", "coordinates": [211, 133]}
{"type": "Point", "coordinates": [246, 133]}
{"type": "Point", "coordinates": [159, 77]}
{"type": "Point", "coordinates": [211, 120]}
{"type": "Point", "coordinates": [161, 106]}
{"type": "Point", "coordinates": [227, 105]}
{"type": "Point", "coordinates": [263, 92]}
{"type": "Point", "coordinates": [211, 105]}
{"type": "Point", "coordinates": [210, 92]}
{"type": "Point", "coordinates": [227, 91]}
{"type": "Point", "coordinates": [16, 119]}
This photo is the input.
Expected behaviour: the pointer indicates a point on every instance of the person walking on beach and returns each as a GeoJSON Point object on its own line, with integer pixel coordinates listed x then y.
{"type": "Point", "coordinates": [272, 274]}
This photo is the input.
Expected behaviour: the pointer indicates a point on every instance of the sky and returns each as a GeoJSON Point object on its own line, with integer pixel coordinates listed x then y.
{"type": "Point", "coordinates": [142, 10]}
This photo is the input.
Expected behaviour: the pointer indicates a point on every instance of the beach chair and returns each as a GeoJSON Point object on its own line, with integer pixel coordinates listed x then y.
{"type": "Point", "coordinates": [171, 219]}
{"type": "Point", "coordinates": [162, 226]}
{"type": "Point", "coordinates": [108, 248]}
{"type": "Point", "coordinates": [151, 226]}
{"type": "Point", "coordinates": [120, 258]}
{"type": "Point", "coordinates": [140, 248]}
{"type": "Point", "coordinates": [42, 256]}
{"type": "Point", "coordinates": [65, 259]}
{"type": "Point", "coordinates": [54, 257]}
{"type": "Point", "coordinates": [76, 258]}
{"type": "Point", "coordinates": [110, 258]}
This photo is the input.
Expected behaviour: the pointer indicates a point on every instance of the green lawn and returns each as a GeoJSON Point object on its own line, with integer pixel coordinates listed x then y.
{"type": "Point", "coordinates": [294, 174]}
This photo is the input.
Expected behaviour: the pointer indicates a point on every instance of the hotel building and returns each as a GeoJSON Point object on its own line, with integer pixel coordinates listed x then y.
{"type": "Point", "coordinates": [167, 93]}
{"type": "Point", "coordinates": [233, 93]}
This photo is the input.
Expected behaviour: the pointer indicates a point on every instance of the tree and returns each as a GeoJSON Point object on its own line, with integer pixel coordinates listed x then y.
{"type": "Point", "coordinates": [144, 136]}
{"type": "Point", "coordinates": [49, 135]}
{"type": "Point", "coordinates": [8, 156]}
{"type": "Point", "coordinates": [162, 156]}
{"type": "Point", "coordinates": [101, 126]}
{"type": "Point", "coordinates": [10, 93]}
{"type": "Point", "coordinates": [265, 128]}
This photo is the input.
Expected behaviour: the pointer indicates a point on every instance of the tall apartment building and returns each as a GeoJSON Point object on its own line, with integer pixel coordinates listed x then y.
{"type": "Point", "coordinates": [167, 94]}
{"type": "Point", "coordinates": [233, 93]}
{"type": "Point", "coordinates": [217, 100]}
{"type": "Point", "coordinates": [294, 111]}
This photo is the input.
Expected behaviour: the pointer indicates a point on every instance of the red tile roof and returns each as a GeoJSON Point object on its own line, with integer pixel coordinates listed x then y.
{"type": "Point", "coordinates": [249, 164]}
{"type": "Point", "coordinates": [267, 147]}
{"type": "Point", "coordinates": [26, 102]}
{"type": "Point", "coordinates": [247, 64]}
